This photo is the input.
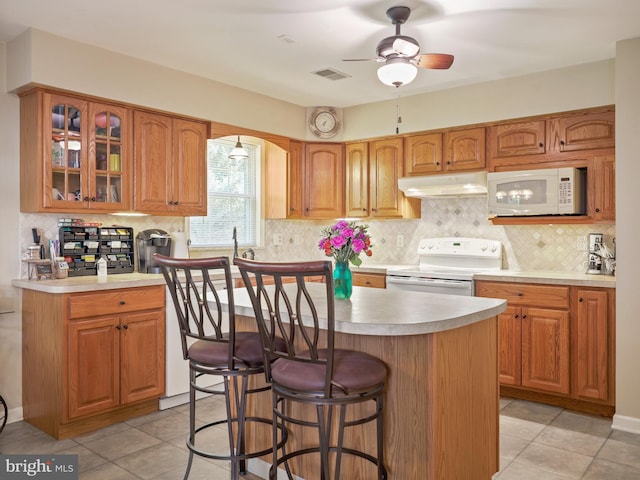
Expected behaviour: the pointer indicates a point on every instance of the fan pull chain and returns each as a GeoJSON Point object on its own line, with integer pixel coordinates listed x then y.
{"type": "Point", "coordinates": [398, 117]}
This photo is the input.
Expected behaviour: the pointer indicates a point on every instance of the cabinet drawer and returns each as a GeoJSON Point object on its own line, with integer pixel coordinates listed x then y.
{"type": "Point", "coordinates": [369, 280]}
{"type": "Point", "coordinates": [92, 304]}
{"type": "Point", "coordinates": [525, 294]}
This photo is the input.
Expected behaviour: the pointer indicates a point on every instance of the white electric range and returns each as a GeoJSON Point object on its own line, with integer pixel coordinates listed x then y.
{"type": "Point", "coordinates": [447, 265]}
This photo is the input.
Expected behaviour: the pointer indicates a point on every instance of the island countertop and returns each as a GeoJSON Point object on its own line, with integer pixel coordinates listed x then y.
{"type": "Point", "coordinates": [373, 311]}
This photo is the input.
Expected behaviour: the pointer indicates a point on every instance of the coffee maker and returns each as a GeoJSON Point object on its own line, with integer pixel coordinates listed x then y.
{"type": "Point", "coordinates": [149, 242]}
{"type": "Point", "coordinates": [594, 263]}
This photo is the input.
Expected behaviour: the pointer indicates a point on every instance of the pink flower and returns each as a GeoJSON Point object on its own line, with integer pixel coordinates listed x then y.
{"type": "Point", "coordinates": [338, 241]}
{"type": "Point", "coordinates": [357, 245]}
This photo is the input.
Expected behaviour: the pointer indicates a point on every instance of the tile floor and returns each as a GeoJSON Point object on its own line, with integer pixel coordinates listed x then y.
{"type": "Point", "coordinates": [538, 442]}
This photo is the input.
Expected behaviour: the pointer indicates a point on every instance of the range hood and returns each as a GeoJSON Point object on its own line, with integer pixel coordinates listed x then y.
{"type": "Point", "coordinates": [445, 185]}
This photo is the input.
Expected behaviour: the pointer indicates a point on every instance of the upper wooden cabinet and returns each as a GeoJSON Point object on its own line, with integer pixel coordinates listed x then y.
{"type": "Point", "coordinates": [76, 154]}
{"type": "Point", "coordinates": [170, 165]}
{"type": "Point", "coordinates": [423, 154]}
{"type": "Point", "coordinates": [373, 169]}
{"type": "Point", "coordinates": [602, 189]}
{"type": "Point", "coordinates": [322, 180]}
{"type": "Point", "coordinates": [517, 138]}
{"type": "Point", "coordinates": [449, 151]}
{"type": "Point", "coordinates": [543, 140]}
{"type": "Point", "coordinates": [307, 182]}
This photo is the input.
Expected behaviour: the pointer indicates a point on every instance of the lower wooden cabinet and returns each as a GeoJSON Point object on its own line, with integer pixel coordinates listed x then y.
{"type": "Point", "coordinates": [556, 344]}
{"type": "Point", "coordinates": [99, 360]}
{"type": "Point", "coordinates": [374, 280]}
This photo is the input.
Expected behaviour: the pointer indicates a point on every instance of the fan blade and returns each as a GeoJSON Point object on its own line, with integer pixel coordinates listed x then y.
{"type": "Point", "coordinates": [439, 61]}
{"type": "Point", "coordinates": [363, 59]}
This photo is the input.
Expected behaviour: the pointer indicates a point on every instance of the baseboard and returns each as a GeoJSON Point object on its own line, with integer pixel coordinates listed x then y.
{"type": "Point", "coordinates": [14, 415]}
{"type": "Point", "coordinates": [626, 424]}
{"type": "Point", "coordinates": [260, 468]}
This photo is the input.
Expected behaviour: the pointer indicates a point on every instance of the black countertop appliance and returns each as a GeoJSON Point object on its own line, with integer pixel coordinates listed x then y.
{"type": "Point", "coordinates": [149, 242]}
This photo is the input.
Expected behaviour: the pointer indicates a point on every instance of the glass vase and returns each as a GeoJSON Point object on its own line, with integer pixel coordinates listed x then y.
{"type": "Point", "coordinates": [342, 281]}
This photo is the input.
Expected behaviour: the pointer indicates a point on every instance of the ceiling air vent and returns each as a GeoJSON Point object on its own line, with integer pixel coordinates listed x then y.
{"type": "Point", "coordinates": [331, 74]}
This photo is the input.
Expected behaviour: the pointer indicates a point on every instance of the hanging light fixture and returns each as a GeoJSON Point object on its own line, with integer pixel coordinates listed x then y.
{"type": "Point", "coordinates": [238, 152]}
{"type": "Point", "coordinates": [397, 71]}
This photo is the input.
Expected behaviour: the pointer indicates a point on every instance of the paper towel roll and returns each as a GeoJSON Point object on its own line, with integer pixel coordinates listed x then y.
{"type": "Point", "coordinates": [179, 245]}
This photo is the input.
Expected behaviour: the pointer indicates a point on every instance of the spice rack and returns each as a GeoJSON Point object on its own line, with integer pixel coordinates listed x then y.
{"type": "Point", "coordinates": [82, 247]}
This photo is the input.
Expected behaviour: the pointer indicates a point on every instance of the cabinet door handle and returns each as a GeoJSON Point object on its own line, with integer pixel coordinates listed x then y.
{"type": "Point", "coordinates": [516, 316]}
{"type": "Point", "coordinates": [118, 327]}
{"type": "Point", "coordinates": [438, 163]}
{"type": "Point", "coordinates": [520, 294]}
{"type": "Point", "coordinates": [86, 199]}
{"type": "Point", "coordinates": [448, 162]}
{"type": "Point", "coordinates": [580, 299]}
{"type": "Point", "coordinates": [176, 202]}
{"type": "Point", "coordinates": [524, 316]}
{"type": "Point", "coordinates": [93, 199]}
{"type": "Point", "coordinates": [541, 144]}
{"type": "Point", "coordinates": [562, 142]}
{"type": "Point", "coordinates": [170, 202]}
{"type": "Point", "coordinates": [597, 210]}
{"type": "Point", "coordinates": [126, 326]}
{"type": "Point", "coordinates": [122, 302]}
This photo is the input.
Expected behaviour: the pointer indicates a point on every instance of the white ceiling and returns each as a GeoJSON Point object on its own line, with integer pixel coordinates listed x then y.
{"type": "Point", "coordinates": [237, 41]}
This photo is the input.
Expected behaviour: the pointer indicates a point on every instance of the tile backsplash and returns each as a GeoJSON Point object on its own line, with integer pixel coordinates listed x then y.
{"type": "Point", "coordinates": [531, 247]}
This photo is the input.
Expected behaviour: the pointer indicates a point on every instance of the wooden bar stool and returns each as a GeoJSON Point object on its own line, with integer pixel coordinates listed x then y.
{"type": "Point", "coordinates": [213, 348]}
{"type": "Point", "coordinates": [309, 370]}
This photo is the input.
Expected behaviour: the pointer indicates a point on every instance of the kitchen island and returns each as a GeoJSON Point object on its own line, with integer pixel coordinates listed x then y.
{"type": "Point", "coordinates": [441, 402]}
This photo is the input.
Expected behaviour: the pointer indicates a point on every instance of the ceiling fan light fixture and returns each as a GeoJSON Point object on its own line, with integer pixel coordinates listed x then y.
{"type": "Point", "coordinates": [397, 71]}
{"type": "Point", "coordinates": [238, 152]}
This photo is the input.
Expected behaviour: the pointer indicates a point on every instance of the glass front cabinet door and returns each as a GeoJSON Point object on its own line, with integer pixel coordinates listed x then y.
{"type": "Point", "coordinates": [87, 160]}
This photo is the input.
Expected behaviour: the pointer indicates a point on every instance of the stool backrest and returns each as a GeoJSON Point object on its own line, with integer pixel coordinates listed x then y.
{"type": "Point", "coordinates": [197, 299]}
{"type": "Point", "coordinates": [285, 308]}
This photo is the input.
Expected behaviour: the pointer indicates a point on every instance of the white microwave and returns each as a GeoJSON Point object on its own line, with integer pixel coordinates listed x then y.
{"type": "Point", "coordinates": [549, 191]}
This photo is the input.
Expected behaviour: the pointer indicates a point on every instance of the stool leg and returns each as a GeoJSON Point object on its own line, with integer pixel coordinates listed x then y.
{"type": "Point", "coordinates": [343, 412]}
{"type": "Point", "coordinates": [192, 419]}
{"type": "Point", "coordinates": [382, 472]}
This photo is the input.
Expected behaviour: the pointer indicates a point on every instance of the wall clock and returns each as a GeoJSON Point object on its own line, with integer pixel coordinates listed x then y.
{"type": "Point", "coordinates": [324, 122]}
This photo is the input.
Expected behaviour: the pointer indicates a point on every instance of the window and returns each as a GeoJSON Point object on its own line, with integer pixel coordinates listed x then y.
{"type": "Point", "coordinates": [233, 197]}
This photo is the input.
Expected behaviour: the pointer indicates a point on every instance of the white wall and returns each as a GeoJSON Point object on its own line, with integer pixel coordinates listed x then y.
{"type": "Point", "coordinates": [628, 230]}
{"type": "Point", "coordinates": [10, 323]}
{"type": "Point", "coordinates": [571, 88]}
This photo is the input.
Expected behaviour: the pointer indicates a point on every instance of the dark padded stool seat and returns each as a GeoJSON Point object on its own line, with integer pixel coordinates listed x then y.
{"type": "Point", "coordinates": [353, 372]}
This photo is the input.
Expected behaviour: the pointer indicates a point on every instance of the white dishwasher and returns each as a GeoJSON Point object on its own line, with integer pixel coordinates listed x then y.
{"type": "Point", "coordinates": [176, 367]}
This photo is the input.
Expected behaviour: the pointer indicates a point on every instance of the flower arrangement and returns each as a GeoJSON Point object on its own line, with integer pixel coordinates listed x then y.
{"type": "Point", "coordinates": [344, 241]}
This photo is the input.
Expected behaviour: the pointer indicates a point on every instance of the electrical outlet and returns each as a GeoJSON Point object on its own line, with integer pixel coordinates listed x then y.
{"type": "Point", "coordinates": [277, 239]}
{"type": "Point", "coordinates": [400, 240]}
{"type": "Point", "coordinates": [582, 243]}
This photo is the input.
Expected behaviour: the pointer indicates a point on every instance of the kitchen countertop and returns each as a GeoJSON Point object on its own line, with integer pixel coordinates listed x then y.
{"type": "Point", "coordinates": [130, 280]}
{"type": "Point", "coordinates": [371, 311]}
{"type": "Point", "coordinates": [549, 277]}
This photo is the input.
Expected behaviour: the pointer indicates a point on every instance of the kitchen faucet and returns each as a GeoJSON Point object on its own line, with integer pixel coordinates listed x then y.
{"type": "Point", "coordinates": [235, 243]}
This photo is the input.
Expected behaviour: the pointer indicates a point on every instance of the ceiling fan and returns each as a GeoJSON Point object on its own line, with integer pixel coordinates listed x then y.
{"type": "Point", "coordinates": [400, 54]}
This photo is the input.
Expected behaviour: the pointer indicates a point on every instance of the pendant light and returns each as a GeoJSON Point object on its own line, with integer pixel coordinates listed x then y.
{"type": "Point", "coordinates": [238, 152]}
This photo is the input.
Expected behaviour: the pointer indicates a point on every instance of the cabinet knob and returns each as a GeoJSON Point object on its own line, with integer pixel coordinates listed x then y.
{"type": "Point", "coordinates": [524, 316]}
{"type": "Point", "coordinates": [122, 302]}
{"type": "Point", "coordinates": [364, 209]}
{"type": "Point", "coordinates": [516, 316]}
{"type": "Point", "coordinates": [541, 144]}
{"type": "Point", "coordinates": [520, 294]}
{"type": "Point", "coordinates": [170, 202]}
{"type": "Point", "coordinates": [597, 210]}
{"type": "Point", "coordinates": [291, 209]}
{"type": "Point", "coordinates": [562, 142]}
{"type": "Point", "coordinates": [86, 199]}
{"type": "Point", "coordinates": [448, 162]}
{"type": "Point", "coordinates": [126, 326]}
{"type": "Point", "coordinates": [580, 299]}
{"type": "Point", "coordinates": [93, 199]}
{"type": "Point", "coordinates": [118, 327]}
{"type": "Point", "coordinates": [176, 202]}
{"type": "Point", "coordinates": [438, 163]}
{"type": "Point", "coordinates": [374, 209]}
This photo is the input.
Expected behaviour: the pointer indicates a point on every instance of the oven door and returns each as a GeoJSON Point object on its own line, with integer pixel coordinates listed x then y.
{"type": "Point", "coordinates": [430, 285]}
